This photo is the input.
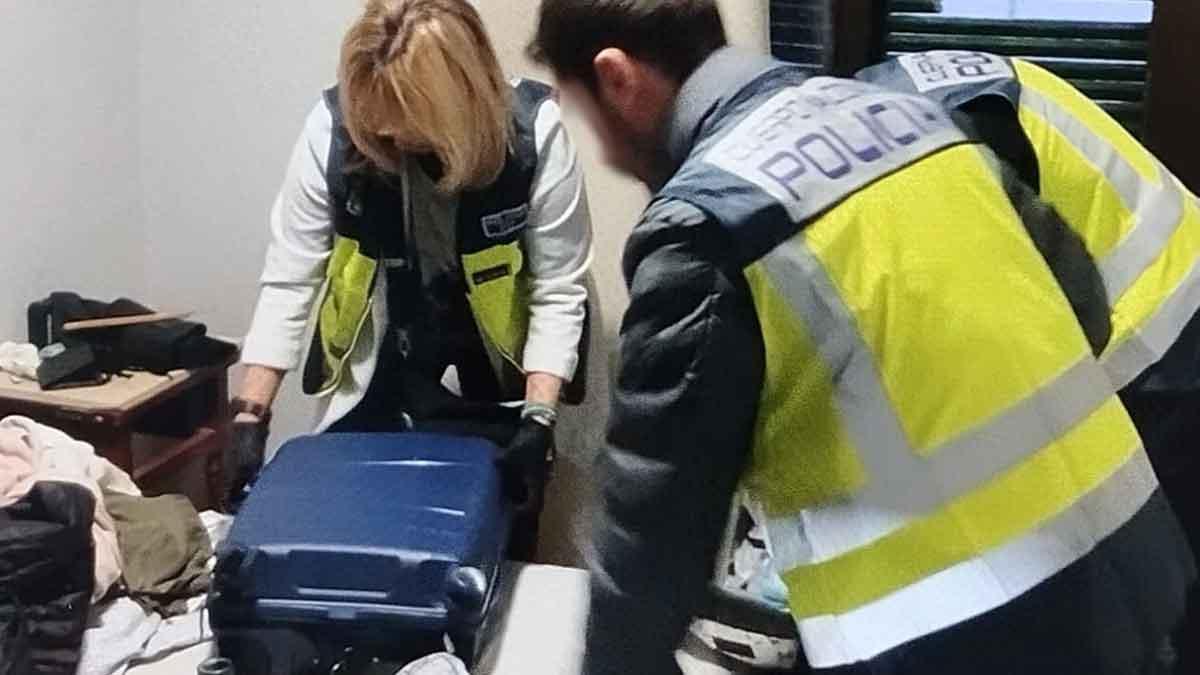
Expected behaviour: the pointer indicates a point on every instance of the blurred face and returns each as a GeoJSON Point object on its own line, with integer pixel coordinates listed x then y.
{"type": "Point", "coordinates": [613, 133]}
{"type": "Point", "coordinates": [628, 110]}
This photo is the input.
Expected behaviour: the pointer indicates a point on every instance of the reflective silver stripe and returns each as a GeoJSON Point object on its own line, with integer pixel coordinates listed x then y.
{"type": "Point", "coordinates": [902, 484]}
{"type": "Point", "coordinates": [1159, 215]}
{"type": "Point", "coordinates": [984, 583]}
{"type": "Point", "coordinates": [1149, 345]}
{"type": "Point", "coordinates": [1157, 209]}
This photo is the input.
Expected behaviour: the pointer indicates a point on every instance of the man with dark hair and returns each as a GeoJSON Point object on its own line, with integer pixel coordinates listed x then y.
{"type": "Point", "coordinates": [569, 32]}
{"type": "Point", "coordinates": [675, 35]}
{"type": "Point", "coordinates": [835, 305]}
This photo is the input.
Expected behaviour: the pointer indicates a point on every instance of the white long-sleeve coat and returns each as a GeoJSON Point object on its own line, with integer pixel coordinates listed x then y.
{"type": "Point", "coordinates": [557, 245]}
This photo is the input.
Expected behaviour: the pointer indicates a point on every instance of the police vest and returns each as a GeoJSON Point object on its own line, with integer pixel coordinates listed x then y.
{"type": "Point", "coordinates": [1138, 221]}
{"type": "Point", "coordinates": [916, 465]}
{"type": "Point", "coordinates": [368, 207]}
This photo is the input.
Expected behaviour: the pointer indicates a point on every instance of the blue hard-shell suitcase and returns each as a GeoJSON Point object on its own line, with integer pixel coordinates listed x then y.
{"type": "Point", "coordinates": [380, 544]}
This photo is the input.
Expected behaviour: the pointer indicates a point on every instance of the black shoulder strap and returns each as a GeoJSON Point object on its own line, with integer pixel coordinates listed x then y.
{"type": "Point", "coordinates": [360, 199]}
{"type": "Point", "coordinates": [529, 95]}
{"type": "Point", "coordinates": [340, 146]}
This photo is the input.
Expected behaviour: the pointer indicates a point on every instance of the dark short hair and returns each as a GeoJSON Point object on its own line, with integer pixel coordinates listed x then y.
{"type": "Point", "coordinates": [675, 36]}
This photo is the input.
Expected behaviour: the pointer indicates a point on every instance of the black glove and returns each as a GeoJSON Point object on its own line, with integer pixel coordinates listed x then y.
{"type": "Point", "coordinates": [525, 463]}
{"type": "Point", "coordinates": [243, 459]}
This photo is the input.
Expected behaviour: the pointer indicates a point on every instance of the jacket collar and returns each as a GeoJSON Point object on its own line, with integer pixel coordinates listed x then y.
{"type": "Point", "coordinates": [718, 79]}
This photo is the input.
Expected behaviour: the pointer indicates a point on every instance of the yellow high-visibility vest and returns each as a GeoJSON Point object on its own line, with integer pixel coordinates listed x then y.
{"type": "Point", "coordinates": [935, 436]}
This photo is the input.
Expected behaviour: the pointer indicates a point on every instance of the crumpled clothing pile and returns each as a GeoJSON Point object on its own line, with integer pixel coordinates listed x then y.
{"type": "Point", "coordinates": [124, 632]}
{"type": "Point", "coordinates": [31, 453]}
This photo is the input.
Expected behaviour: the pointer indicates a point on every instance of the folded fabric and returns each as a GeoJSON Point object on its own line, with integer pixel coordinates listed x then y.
{"type": "Point", "coordinates": [45, 579]}
{"type": "Point", "coordinates": [166, 550]}
{"type": "Point", "coordinates": [35, 453]}
{"type": "Point", "coordinates": [19, 359]}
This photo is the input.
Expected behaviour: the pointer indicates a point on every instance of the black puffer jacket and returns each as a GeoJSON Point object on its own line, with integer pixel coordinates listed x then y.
{"type": "Point", "coordinates": [46, 579]}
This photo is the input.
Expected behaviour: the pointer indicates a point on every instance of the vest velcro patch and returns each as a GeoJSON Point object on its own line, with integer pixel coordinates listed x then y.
{"type": "Point", "coordinates": [504, 223]}
{"type": "Point", "coordinates": [491, 274]}
{"type": "Point", "coordinates": [934, 70]}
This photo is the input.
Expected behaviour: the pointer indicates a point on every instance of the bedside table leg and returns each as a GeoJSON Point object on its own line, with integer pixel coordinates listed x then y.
{"type": "Point", "coordinates": [220, 422]}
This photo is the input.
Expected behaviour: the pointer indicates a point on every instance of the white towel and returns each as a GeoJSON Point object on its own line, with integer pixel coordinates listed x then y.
{"type": "Point", "coordinates": [116, 635]}
{"type": "Point", "coordinates": [21, 360]}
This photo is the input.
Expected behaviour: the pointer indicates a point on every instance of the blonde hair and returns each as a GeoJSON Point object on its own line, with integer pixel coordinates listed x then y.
{"type": "Point", "coordinates": [421, 76]}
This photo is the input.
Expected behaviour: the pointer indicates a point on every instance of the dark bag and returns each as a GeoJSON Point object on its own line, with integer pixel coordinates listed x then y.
{"type": "Point", "coordinates": [158, 347]}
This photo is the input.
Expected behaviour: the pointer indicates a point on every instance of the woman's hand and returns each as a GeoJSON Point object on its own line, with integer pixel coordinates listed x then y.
{"type": "Point", "coordinates": [243, 460]}
{"type": "Point", "coordinates": [243, 457]}
{"type": "Point", "coordinates": [525, 464]}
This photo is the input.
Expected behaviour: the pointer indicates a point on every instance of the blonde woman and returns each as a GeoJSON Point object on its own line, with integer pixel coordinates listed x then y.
{"type": "Point", "coordinates": [440, 209]}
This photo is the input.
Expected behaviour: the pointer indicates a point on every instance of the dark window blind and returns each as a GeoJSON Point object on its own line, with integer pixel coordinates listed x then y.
{"type": "Point", "coordinates": [801, 32]}
{"type": "Point", "coordinates": [1105, 60]}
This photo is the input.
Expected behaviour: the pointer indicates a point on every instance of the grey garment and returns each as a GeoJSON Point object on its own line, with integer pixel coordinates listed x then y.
{"type": "Point", "coordinates": [683, 412]}
{"type": "Point", "coordinates": [431, 222]}
{"type": "Point", "coordinates": [165, 549]}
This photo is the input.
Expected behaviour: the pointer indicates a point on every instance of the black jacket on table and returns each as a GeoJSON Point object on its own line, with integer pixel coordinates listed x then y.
{"type": "Point", "coordinates": [686, 397]}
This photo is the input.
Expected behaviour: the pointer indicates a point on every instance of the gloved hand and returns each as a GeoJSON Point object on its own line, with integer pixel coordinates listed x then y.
{"type": "Point", "coordinates": [525, 463]}
{"type": "Point", "coordinates": [243, 458]}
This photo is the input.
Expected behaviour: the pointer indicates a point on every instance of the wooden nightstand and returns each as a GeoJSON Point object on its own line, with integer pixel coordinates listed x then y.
{"type": "Point", "coordinates": [188, 407]}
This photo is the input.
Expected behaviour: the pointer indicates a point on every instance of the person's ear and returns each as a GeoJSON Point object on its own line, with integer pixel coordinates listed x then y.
{"type": "Point", "coordinates": [616, 78]}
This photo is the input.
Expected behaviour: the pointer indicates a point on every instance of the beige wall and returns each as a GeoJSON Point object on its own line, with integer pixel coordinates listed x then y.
{"type": "Point", "coordinates": [69, 182]}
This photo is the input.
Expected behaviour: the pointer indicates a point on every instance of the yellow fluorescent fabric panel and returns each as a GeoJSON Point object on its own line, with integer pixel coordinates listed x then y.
{"type": "Point", "coordinates": [351, 276]}
{"type": "Point", "coordinates": [802, 455]}
{"type": "Point", "coordinates": [1077, 188]}
{"type": "Point", "coordinates": [938, 289]}
{"type": "Point", "coordinates": [1009, 506]}
{"type": "Point", "coordinates": [497, 295]}
{"type": "Point", "coordinates": [1090, 114]}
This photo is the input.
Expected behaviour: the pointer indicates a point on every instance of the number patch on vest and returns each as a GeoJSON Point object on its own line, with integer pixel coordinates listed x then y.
{"type": "Point", "coordinates": [813, 145]}
{"type": "Point", "coordinates": [500, 225]}
{"type": "Point", "coordinates": [934, 70]}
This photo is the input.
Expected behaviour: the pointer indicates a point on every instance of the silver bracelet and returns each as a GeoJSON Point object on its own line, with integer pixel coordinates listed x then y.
{"type": "Point", "coordinates": [541, 413]}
